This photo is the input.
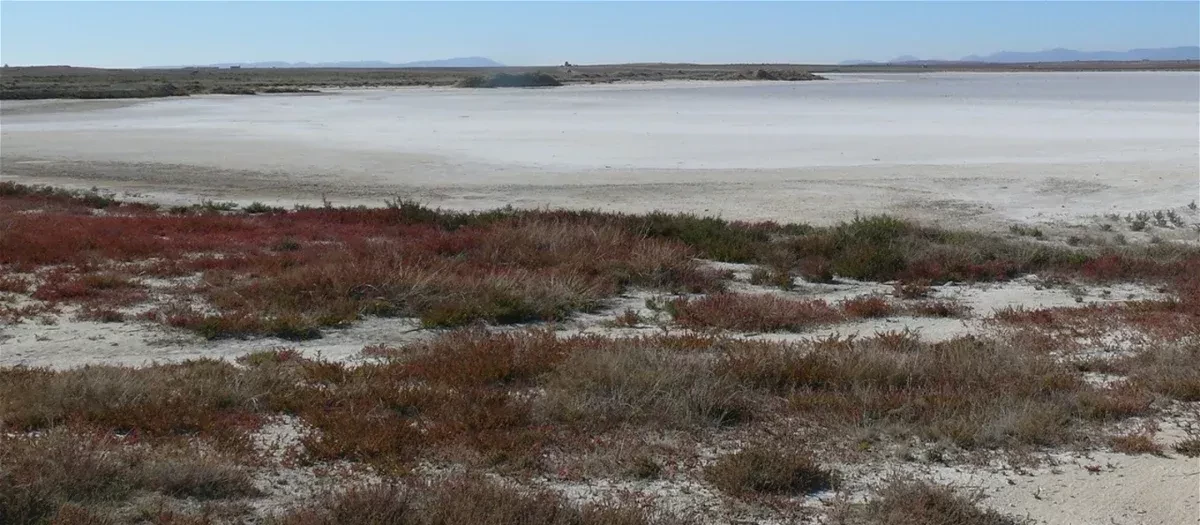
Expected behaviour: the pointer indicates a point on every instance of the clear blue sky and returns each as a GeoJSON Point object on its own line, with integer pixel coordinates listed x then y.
{"type": "Point", "coordinates": [539, 33]}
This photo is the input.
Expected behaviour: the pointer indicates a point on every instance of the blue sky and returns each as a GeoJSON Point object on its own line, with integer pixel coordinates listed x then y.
{"type": "Point", "coordinates": [132, 34]}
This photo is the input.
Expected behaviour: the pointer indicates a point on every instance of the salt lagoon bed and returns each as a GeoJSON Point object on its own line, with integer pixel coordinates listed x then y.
{"type": "Point", "coordinates": [984, 148]}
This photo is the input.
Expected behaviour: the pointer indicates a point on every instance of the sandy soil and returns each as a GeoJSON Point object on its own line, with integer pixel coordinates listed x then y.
{"type": "Point", "coordinates": [1055, 488]}
{"type": "Point", "coordinates": [977, 149]}
{"type": "Point", "coordinates": [63, 342]}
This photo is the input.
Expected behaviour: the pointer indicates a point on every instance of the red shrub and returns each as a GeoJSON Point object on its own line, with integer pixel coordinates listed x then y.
{"type": "Point", "coordinates": [752, 313]}
{"type": "Point", "coordinates": [867, 306]}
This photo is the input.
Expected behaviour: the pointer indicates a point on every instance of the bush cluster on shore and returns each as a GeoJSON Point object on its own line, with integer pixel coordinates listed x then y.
{"type": "Point", "coordinates": [500, 80]}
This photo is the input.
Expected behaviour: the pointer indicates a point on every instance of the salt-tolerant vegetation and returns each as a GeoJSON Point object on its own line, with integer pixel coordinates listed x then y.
{"type": "Point", "coordinates": [713, 385]}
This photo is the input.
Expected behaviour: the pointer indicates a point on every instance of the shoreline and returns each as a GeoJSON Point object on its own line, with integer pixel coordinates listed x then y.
{"type": "Point", "coordinates": [69, 83]}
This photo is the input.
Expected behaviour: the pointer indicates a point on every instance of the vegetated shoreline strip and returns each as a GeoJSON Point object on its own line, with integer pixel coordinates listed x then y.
{"type": "Point", "coordinates": [50, 82]}
{"type": "Point", "coordinates": [266, 271]}
{"type": "Point", "coordinates": [498, 408]}
{"type": "Point", "coordinates": [81, 83]}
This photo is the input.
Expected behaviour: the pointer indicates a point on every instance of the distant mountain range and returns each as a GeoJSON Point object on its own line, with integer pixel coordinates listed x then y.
{"type": "Point", "coordinates": [449, 62]}
{"type": "Point", "coordinates": [1054, 55]}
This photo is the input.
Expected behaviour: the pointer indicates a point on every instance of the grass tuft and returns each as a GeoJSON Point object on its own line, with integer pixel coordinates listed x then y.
{"type": "Point", "coordinates": [920, 503]}
{"type": "Point", "coordinates": [769, 470]}
{"type": "Point", "coordinates": [752, 313]}
{"type": "Point", "coordinates": [466, 499]}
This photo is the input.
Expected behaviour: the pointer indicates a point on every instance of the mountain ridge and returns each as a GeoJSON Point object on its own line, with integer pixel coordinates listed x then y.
{"type": "Point", "coordinates": [1054, 55]}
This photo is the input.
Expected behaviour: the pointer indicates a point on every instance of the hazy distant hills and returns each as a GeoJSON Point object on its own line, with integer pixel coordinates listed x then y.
{"type": "Point", "coordinates": [1055, 55]}
{"type": "Point", "coordinates": [449, 62]}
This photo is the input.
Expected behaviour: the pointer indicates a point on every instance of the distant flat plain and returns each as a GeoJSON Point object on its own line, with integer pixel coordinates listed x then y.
{"type": "Point", "coordinates": [974, 148]}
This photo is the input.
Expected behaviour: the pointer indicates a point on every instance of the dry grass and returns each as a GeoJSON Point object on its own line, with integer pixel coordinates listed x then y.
{"type": "Point", "coordinates": [501, 398]}
{"type": "Point", "coordinates": [937, 308]}
{"type": "Point", "coordinates": [752, 313]}
{"type": "Point", "coordinates": [14, 284]}
{"type": "Point", "coordinates": [505, 401]}
{"type": "Point", "coordinates": [638, 382]}
{"type": "Point", "coordinates": [769, 470]}
{"type": "Point", "coordinates": [503, 266]}
{"type": "Point", "coordinates": [919, 503]}
{"type": "Point", "coordinates": [448, 269]}
{"type": "Point", "coordinates": [1167, 369]}
{"type": "Point", "coordinates": [911, 289]}
{"type": "Point", "coordinates": [528, 402]}
{"type": "Point", "coordinates": [773, 313]}
{"type": "Point", "coordinates": [778, 278]}
{"type": "Point", "coordinates": [40, 474]}
{"type": "Point", "coordinates": [865, 307]}
{"type": "Point", "coordinates": [1139, 443]}
{"type": "Point", "coordinates": [629, 318]}
{"type": "Point", "coordinates": [458, 501]}
{"type": "Point", "coordinates": [207, 398]}
{"type": "Point", "coordinates": [971, 392]}
{"type": "Point", "coordinates": [1189, 447]}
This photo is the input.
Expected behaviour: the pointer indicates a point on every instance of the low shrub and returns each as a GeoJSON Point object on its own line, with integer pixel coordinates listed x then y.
{"type": "Point", "coordinates": [38, 474]}
{"type": "Point", "coordinates": [769, 470]}
{"type": "Point", "coordinates": [509, 80]}
{"type": "Point", "coordinates": [918, 503]}
{"type": "Point", "coordinates": [938, 308]}
{"type": "Point", "coordinates": [866, 307]}
{"type": "Point", "coordinates": [752, 313]}
{"type": "Point", "coordinates": [1189, 447]}
{"type": "Point", "coordinates": [464, 499]}
{"type": "Point", "coordinates": [636, 382]}
{"type": "Point", "coordinates": [1140, 443]}
{"type": "Point", "coordinates": [911, 289]}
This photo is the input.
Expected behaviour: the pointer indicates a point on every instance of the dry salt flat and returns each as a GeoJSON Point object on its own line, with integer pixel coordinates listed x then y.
{"type": "Point", "coordinates": [965, 149]}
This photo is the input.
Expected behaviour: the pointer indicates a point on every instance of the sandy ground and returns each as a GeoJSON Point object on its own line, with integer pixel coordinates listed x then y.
{"type": "Point", "coordinates": [1069, 487]}
{"type": "Point", "coordinates": [975, 149]}
{"type": "Point", "coordinates": [63, 342]}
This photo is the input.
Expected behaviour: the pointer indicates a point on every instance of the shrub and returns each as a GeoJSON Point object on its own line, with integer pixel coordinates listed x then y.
{"type": "Point", "coordinates": [752, 313]}
{"type": "Point", "coordinates": [100, 314]}
{"type": "Point", "coordinates": [39, 474]}
{"type": "Point", "coordinates": [13, 284]}
{"type": "Point", "coordinates": [206, 398]}
{"type": "Point", "coordinates": [781, 279]}
{"type": "Point", "coordinates": [788, 75]}
{"type": "Point", "coordinates": [869, 262]}
{"type": "Point", "coordinates": [1136, 444]}
{"type": "Point", "coordinates": [911, 289]}
{"type": "Point", "coordinates": [381, 504]}
{"type": "Point", "coordinates": [1189, 447]}
{"type": "Point", "coordinates": [977, 394]}
{"type": "Point", "coordinates": [1167, 369]}
{"type": "Point", "coordinates": [816, 270]}
{"type": "Point", "coordinates": [938, 308]}
{"type": "Point", "coordinates": [629, 318]}
{"type": "Point", "coordinates": [465, 499]}
{"type": "Point", "coordinates": [258, 207]}
{"type": "Point", "coordinates": [1026, 231]}
{"type": "Point", "coordinates": [867, 306]}
{"type": "Point", "coordinates": [919, 503]}
{"type": "Point", "coordinates": [769, 470]}
{"type": "Point", "coordinates": [502, 80]}
{"type": "Point", "coordinates": [633, 381]}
